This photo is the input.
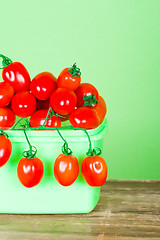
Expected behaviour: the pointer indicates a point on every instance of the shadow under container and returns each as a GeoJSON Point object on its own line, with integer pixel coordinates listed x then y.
{"type": "Point", "coordinates": [49, 197]}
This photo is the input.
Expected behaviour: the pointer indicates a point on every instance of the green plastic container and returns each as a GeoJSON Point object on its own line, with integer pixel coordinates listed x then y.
{"type": "Point", "coordinates": [49, 197]}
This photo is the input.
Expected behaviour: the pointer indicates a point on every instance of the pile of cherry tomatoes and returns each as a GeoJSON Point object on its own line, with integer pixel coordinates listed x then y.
{"type": "Point", "coordinates": [69, 99]}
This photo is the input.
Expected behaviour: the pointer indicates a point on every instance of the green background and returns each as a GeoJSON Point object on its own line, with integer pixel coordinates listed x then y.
{"type": "Point", "coordinates": [117, 46]}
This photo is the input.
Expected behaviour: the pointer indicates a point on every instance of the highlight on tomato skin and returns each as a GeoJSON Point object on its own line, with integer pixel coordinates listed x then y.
{"type": "Point", "coordinates": [43, 85]}
{"type": "Point", "coordinates": [85, 89]}
{"type": "Point", "coordinates": [63, 101]}
{"type": "Point", "coordinates": [5, 150]}
{"type": "Point", "coordinates": [17, 76]}
{"type": "Point", "coordinates": [37, 119]}
{"type": "Point", "coordinates": [7, 118]}
{"type": "Point", "coordinates": [84, 117]}
{"type": "Point", "coordinates": [66, 169]}
{"type": "Point", "coordinates": [94, 170]}
{"type": "Point", "coordinates": [67, 81]}
{"type": "Point", "coordinates": [23, 104]}
{"type": "Point", "coordinates": [6, 94]}
{"type": "Point", "coordinates": [30, 171]}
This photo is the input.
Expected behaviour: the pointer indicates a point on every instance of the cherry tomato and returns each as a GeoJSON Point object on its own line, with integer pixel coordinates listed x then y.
{"type": "Point", "coordinates": [100, 108]}
{"type": "Point", "coordinates": [30, 171]}
{"type": "Point", "coordinates": [23, 104]}
{"type": "Point", "coordinates": [37, 119]}
{"type": "Point", "coordinates": [43, 85]}
{"type": "Point", "coordinates": [42, 104]}
{"type": "Point", "coordinates": [94, 170]}
{"type": "Point", "coordinates": [85, 89]}
{"type": "Point", "coordinates": [63, 101]}
{"type": "Point", "coordinates": [5, 150]}
{"type": "Point", "coordinates": [84, 117]}
{"type": "Point", "coordinates": [69, 78]}
{"type": "Point", "coordinates": [7, 118]}
{"type": "Point", "coordinates": [6, 93]}
{"type": "Point", "coordinates": [15, 74]}
{"type": "Point", "coordinates": [66, 169]}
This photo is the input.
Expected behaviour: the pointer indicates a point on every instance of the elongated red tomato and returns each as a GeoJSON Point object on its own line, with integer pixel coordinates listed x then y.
{"type": "Point", "coordinates": [23, 104]}
{"type": "Point", "coordinates": [85, 90]}
{"type": "Point", "coordinates": [7, 118]}
{"type": "Point", "coordinates": [15, 74]}
{"type": "Point", "coordinates": [94, 170]}
{"type": "Point", "coordinates": [30, 171]}
{"type": "Point", "coordinates": [37, 119]}
{"type": "Point", "coordinates": [6, 93]}
{"type": "Point", "coordinates": [84, 117]}
{"type": "Point", "coordinates": [63, 101]}
{"type": "Point", "coordinates": [5, 150]}
{"type": "Point", "coordinates": [100, 108]}
{"type": "Point", "coordinates": [66, 169]}
{"type": "Point", "coordinates": [69, 78]}
{"type": "Point", "coordinates": [43, 85]}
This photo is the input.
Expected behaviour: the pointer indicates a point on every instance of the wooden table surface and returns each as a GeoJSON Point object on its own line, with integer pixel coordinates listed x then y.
{"type": "Point", "coordinates": [126, 211]}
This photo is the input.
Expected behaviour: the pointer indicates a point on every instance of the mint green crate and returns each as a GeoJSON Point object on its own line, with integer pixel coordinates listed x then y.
{"type": "Point", "coordinates": [49, 197]}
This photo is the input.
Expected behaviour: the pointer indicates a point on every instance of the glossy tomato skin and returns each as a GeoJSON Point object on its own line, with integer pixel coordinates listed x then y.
{"type": "Point", "coordinates": [101, 108]}
{"type": "Point", "coordinates": [85, 89]}
{"type": "Point", "coordinates": [7, 118]}
{"type": "Point", "coordinates": [67, 81]}
{"type": "Point", "coordinates": [94, 170]}
{"type": "Point", "coordinates": [6, 93]}
{"type": "Point", "coordinates": [84, 117]}
{"type": "Point", "coordinates": [43, 85]}
{"type": "Point", "coordinates": [17, 76]}
{"type": "Point", "coordinates": [30, 171]}
{"type": "Point", "coordinates": [66, 169]}
{"type": "Point", "coordinates": [23, 104]}
{"type": "Point", "coordinates": [5, 150]}
{"type": "Point", "coordinates": [37, 119]}
{"type": "Point", "coordinates": [63, 101]}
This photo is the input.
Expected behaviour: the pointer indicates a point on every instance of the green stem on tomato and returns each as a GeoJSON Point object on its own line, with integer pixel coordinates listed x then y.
{"type": "Point", "coordinates": [5, 61]}
{"type": "Point", "coordinates": [90, 100]}
{"type": "Point", "coordinates": [74, 70]}
{"type": "Point", "coordinates": [3, 133]}
{"type": "Point", "coordinates": [31, 153]}
{"type": "Point", "coordinates": [47, 116]}
{"type": "Point", "coordinates": [65, 149]}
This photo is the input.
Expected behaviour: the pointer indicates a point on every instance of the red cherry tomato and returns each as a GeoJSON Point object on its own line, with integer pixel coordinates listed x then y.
{"type": "Point", "coordinates": [69, 78]}
{"type": "Point", "coordinates": [94, 170]}
{"type": "Point", "coordinates": [42, 104]}
{"type": "Point", "coordinates": [63, 101]}
{"type": "Point", "coordinates": [84, 117]}
{"type": "Point", "coordinates": [100, 108]}
{"type": "Point", "coordinates": [85, 89]}
{"type": "Point", "coordinates": [7, 118]}
{"type": "Point", "coordinates": [15, 74]}
{"type": "Point", "coordinates": [43, 85]}
{"type": "Point", "coordinates": [23, 104]}
{"type": "Point", "coordinates": [30, 171]}
{"type": "Point", "coordinates": [37, 119]}
{"type": "Point", "coordinates": [6, 93]}
{"type": "Point", "coordinates": [5, 150]}
{"type": "Point", "coordinates": [66, 169]}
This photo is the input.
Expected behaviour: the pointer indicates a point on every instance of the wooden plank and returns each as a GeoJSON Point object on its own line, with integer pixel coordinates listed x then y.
{"type": "Point", "coordinates": [126, 210]}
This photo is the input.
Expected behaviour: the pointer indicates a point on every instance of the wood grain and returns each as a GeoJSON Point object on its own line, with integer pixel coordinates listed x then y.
{"type": "Point", "coordinates": [126, 210]}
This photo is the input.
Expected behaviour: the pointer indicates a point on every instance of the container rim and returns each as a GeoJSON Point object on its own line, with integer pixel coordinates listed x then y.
{"type": "Point", "coordinates": [103, 127]}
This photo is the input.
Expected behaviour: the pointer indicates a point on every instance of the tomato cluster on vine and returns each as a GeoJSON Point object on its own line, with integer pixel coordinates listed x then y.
{"type": "Point", "coordinates": [68, 99]}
